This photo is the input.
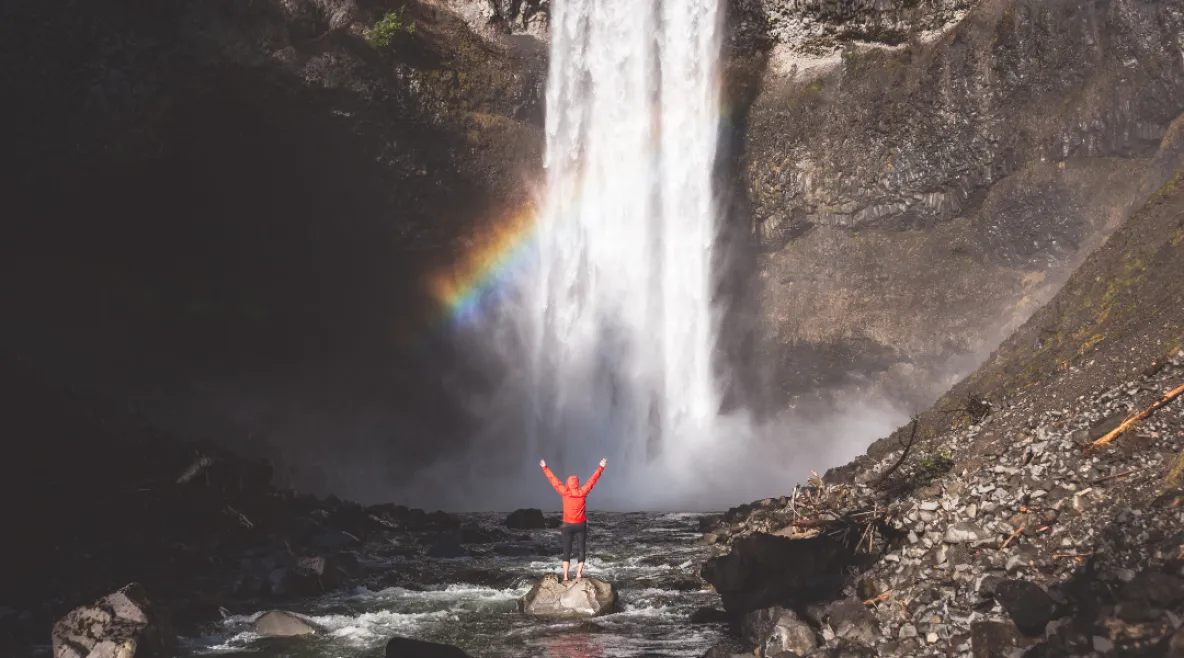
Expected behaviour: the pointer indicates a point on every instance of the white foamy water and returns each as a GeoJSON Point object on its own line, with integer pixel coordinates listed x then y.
{"type": "Point", "coordinates": [620, 320]}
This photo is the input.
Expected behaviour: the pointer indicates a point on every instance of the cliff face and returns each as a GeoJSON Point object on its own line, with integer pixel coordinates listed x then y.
{"type": "Point", "coordinates": [238, 200]}
{"type": "Point", "coordinates": [1036, 510]}
{"type": "Point", "coordinates": [923, 175]}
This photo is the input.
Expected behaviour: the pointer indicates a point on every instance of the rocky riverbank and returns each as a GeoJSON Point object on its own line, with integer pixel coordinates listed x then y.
{"type": "Point", "coordinates": [995, 536]}
{"type": "Point", "coordinates": [1037, 510]}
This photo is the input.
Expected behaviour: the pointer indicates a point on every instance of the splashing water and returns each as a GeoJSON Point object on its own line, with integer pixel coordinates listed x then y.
{"type": "Point", "coordinates": [622, 329]}
{"type": "Point", "coordinates": [603, 340]}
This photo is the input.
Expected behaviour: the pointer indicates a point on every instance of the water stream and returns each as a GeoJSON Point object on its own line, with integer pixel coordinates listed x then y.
{"type": "Point", "coordinates": [470, 601]}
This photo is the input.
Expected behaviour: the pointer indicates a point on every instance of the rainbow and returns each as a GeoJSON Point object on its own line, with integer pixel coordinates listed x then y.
{"type": "Point", "coordinates": [490, 257]}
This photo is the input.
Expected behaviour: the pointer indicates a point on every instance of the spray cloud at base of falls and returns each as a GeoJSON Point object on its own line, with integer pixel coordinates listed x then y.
{"type": "Point", "coordinates": [604, 332]}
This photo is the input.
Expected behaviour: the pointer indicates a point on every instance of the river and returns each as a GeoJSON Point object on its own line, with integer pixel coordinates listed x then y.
{"type": "Point", "coordinates": [470, 602]}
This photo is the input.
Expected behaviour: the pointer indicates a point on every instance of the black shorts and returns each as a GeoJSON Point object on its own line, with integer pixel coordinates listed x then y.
{"type": "Point", "coordinates": [574, 532]}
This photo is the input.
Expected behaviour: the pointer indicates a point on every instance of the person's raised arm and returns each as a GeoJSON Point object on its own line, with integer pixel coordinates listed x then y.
{"type": "Point", "coordinates": [551, 477]}
{"type": "Point", "coordinates": [595, 476]}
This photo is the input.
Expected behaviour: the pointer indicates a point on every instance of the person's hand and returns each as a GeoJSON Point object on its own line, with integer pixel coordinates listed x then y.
{"type": "Point", "coordinates": [603, 463]}
{"type": "Point", "coordinates": [543, 463]}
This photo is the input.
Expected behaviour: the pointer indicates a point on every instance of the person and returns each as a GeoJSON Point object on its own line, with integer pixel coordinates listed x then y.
{"type": "Point", "coordinates": [575, 522]}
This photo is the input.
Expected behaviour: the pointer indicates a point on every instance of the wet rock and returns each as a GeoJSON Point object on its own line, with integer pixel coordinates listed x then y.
{"type": "Point", "coordinates": [708, 616]}
{"type": "Point", "coordinates": [764, 570]}
{"type": "Point", "coordinates": [123, 624]}
{"type": "Point", "coordinates": [778, 630]}
{"type": "Point", "coordinates": [324, 569]}
{"type": "Point", "coordinates": [292, 581]}
{"type": "Point", "coordinates": [994, 639]}
{"type": "Point", "coordinates": [588, 597]}
{"type": "Point", "coordinates": [405, 647]}
{"type": "Point", "coordinates": [852, 621]}
{"type": "Point", "coordinates": [280, 623]}
{"type": "Point", "coordinates": [441, 520]}
{"type": "Point", "coordinates": [526, 519]}
{"type": "Point", "coordinates": [1028, 605]}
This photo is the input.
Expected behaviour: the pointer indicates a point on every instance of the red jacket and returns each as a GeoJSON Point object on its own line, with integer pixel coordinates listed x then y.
{"type": "Point", "coordinates": [573, 494]}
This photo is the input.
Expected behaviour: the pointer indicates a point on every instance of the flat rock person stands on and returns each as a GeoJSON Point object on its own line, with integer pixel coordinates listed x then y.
{"type": "Point", "coordinates": [575, 523]}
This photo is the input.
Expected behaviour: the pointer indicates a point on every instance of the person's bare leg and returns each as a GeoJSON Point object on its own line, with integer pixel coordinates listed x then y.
{"type": "Point", "coordinates": [579, 570]}
{"type": "Point", "coordinates": [565, 565]}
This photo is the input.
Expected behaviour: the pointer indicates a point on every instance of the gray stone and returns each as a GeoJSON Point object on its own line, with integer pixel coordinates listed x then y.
{"type": "Point", "coordinates": [123, 624]}
{"type": "Point", "coordinates": [588, 597]}
{"type": "Point", "coordinates": [280, 623]}
{"type": "Point", "coordinates": [852, 621]}
{"type": "Point", "coordinates": [964, 532]}
{"type": "Point", "coordinates": [789, 634]}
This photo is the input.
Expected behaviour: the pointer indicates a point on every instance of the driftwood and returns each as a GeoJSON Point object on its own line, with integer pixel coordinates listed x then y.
{"type": "Point", "coordinates": [908, 446]}
{"type": "Point", "coordinates": [1013, 536]}
{"type": "Point", "coordinates": [1131, 420]}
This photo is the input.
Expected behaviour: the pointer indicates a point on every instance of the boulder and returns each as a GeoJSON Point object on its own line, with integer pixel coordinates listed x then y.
{"type": "Point", "coordinates": [292, 581]}
{"type": "Point", "coordinates": [526, 519]}
{"type": "Point", "coordinates": [728, 648]}
{"type": "Point", "coordinates": [764, 570]}
{"type": "Point", "coordinates": [120, 625]}
{"type": "Point", "coordinates": [989, 639]}
{"type": "Point", "coordinates": [1028, 605]}
{"type": "Point", "coordinates": [777, 630]}
{"type": "Point", "coordinates": [852, 621]}
{"type": "Point", "coordinates": [588, 597]}
{"type": "Point", "coordinates": [405, 647]}
{"type": "Point", "coordinates": [325, 569]}
{"type": "Point", "coordinates": [279, 623]}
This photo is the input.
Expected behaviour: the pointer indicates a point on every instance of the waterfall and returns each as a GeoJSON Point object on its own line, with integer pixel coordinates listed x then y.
{"type": "Point", "coordinates": [619, 320]}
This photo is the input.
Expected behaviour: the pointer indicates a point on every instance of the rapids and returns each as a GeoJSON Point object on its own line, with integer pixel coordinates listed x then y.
{"type": "Point", "coordinates": [470, 601]}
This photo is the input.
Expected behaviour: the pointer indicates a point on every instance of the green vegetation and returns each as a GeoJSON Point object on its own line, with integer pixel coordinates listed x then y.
{"type": "Point", "coordinates": [382, 33]}
{"type": "Point", "coordinates": [1167, 188]}
{"type": "Point", "coordinates": [1173, 477]}
{"type": "Point", "coordinates": [931, 467]}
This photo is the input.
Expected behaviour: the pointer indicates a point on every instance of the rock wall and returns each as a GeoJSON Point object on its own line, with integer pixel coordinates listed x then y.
{"type": "Point", "coordinates": [921, 176]}
{"type": "Point", "coordinates": [233, 204]}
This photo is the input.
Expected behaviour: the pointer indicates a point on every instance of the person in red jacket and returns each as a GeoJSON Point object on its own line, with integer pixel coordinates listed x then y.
{"type": "Point", "coordinates": [575, 523]}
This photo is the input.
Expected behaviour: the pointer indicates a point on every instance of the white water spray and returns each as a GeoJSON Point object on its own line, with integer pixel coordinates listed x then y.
{"type": "Point", "coordinates": [622, 329]}
{"type": "Point", "coordinates": [605, 345]}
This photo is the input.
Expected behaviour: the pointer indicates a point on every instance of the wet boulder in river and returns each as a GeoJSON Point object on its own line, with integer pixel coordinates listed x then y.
{"type": "Point", "coordinates": [588, 597]}
{"type": "Point", "coordinates": [405, 647]}
{"type": "Point", "coordinates": [278, 623]}
{"type": "Point", "coordinates": [123, 624]}
{"type": "Point", "coordinates": [526, 519]}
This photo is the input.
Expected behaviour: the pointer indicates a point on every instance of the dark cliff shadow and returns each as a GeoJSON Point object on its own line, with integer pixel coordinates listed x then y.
{"type": "Point", "coordinates": [189, 211]}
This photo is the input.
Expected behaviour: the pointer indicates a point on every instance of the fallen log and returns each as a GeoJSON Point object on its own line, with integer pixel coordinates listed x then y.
{"type": "Point", "coordinates": [1131, 420]}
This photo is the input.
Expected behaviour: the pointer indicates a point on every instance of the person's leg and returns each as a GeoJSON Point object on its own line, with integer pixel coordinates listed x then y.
{"type": "Point", "coordinates": [581, 537]}
{"type": "Point", "coordinates": [565, 531]}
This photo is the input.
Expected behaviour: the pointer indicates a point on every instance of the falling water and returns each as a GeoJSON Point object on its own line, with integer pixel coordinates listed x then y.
{"type": "Point", "coordinates": [621, 327]}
